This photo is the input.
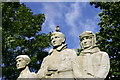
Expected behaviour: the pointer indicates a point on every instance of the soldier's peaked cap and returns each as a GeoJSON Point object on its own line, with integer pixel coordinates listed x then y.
{"type": "Point", "coordinates": [86, 33]}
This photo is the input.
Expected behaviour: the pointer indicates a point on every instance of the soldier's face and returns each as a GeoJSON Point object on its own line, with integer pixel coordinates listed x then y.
{"type": "Point", "coordinates": [86, 42]}
{"type": "Point", "coordinates": [56, 40]}
{"type": "Point", "coordinates": [21, 63]}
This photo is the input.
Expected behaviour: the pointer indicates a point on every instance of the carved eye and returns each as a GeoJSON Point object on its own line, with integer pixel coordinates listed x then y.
{"type": "Point", "coordinates": [87, 37]}
{"type": "Point", "coordinates": [82, 39]}
{"type": "Point", "coordinates": [56, 37]}
{"type": "Point", "coordinates": [19, 60]}
{"type": "Point", "coordinates": [51, 38]}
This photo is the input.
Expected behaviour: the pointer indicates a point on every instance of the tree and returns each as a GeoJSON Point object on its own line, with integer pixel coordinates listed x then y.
{"type": "Point", "coordinates": [21, 35]}
{"type": "Point", "coordinates": [109, 35]}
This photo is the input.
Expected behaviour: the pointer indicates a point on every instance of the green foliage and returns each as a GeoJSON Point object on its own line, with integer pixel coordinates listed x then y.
{"type": "Point", "coordinates": [21, 35]}
{"type": "Point", "coordinates": [78, 50]}
{"type": "Point", "coordinates": [109, 35]}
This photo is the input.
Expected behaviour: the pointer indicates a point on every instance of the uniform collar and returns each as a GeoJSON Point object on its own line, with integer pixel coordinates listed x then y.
{"type": "Point", "coordinates": [62, 47]}
{"type": "Point", "coordinates": [92, 50]}
{"type": "Point", "coordinates": [23, 72]}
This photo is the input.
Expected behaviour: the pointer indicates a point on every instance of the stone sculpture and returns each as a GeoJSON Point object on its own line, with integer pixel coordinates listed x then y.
{"type": "Point", "coordinates": [22, 65]}
{"type": "Point", "coordinates": [61, 62]}
{"type": "Point", "coordinates": [93, 62]}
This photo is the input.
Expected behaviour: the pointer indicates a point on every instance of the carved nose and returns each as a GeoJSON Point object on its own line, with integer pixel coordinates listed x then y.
{"type": "Point", "coordinates": [53, 41]}
{"type": "Point", "coordinates": [17, 63]}
{"type": "Point", "coordinates": [85, 42]}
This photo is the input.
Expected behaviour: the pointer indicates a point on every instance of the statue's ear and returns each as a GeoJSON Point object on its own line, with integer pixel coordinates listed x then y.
{"type": "Point", "coordinates": [63, 41]}
{"type": "Point", "coordinates": [81, 45]}
{"type": "Point", "coordinates": [27, 63]}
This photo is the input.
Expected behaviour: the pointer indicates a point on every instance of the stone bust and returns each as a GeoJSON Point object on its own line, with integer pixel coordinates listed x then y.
{"type": "Point", "coordinates": [22, 65]}
{"type": "Point", "coordinates": [93, 62]}
{"type": "Point", "coordinates": [60, 63]}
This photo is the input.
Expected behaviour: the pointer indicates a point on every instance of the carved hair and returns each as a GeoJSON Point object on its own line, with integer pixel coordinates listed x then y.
{"type": "Point", "coordinates": [61, 34]}
{"type": "Point", "coordinates": [25, 57]}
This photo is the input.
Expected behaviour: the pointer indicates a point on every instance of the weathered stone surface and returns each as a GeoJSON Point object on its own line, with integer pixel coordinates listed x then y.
{"type": "Point", "coordinates": [22, 65]}
{"type": "Point", "coordinates": [61, 63]}
{"type": "Point", "coordinates": [93, 62]}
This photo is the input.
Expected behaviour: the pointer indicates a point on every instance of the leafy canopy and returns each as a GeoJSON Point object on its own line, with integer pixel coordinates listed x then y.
{"type": "Point", "coordinates": [21, 35]}
{"type": "Point", "coordinates": [109, 35]}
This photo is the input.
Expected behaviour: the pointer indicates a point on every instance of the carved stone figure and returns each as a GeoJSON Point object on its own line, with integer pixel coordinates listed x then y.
{"type": "Point", "coordinates": [60, 63]}
{"type": "Point", "coordinates": [93, 62]}
{"type": "Point", "coordinates": [22, 65]}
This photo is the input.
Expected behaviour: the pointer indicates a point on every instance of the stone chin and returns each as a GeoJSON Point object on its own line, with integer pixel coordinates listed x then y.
{"type": "Point", "coordinates": [56, 45]}
{"type": "Point", "coordinates": [86, 46]}
{"type": "Point", "coordinates": [53, 44]}
{"type": "Point", "coordinates": [19, 67]}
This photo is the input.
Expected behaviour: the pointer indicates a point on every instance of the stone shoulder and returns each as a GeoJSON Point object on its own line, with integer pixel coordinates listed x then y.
{"type": "Point", "coordinates": [70, 52]}
{"type": "Point", "coordinates": [103, 53]}
{"type": "Point", "coordinates": [50, 51]}
{"type": "Point", "coordinates": [45, 58]}
{"type": "Point", "coordinates": [34, 75]}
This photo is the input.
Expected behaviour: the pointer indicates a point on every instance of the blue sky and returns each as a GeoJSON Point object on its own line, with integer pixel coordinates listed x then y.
{"type": "Point", "coordinates": [72, 17]}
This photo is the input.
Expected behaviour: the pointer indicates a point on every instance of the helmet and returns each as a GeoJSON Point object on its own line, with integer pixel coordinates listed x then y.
{"type": "Point", "coordinates": [90, 34]}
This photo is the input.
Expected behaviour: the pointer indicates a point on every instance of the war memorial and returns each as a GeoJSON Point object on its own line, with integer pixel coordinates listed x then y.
{"type": "Point", "coordinates": [63, 63]}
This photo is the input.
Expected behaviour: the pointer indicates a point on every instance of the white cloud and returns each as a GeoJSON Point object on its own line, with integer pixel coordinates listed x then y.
{"type": "Point", "coordinates": [53, 13]}
{"type": "Point", "coordinates": [50, 16]}
{"type": "Point", "coordinates": [72, 17]}
{"type": "Point", "coordinates": [78, 23]}
{"type": "Point", "coordinates": [90, 25]}
{"type": "Point", "coordinates": [73, 20]}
